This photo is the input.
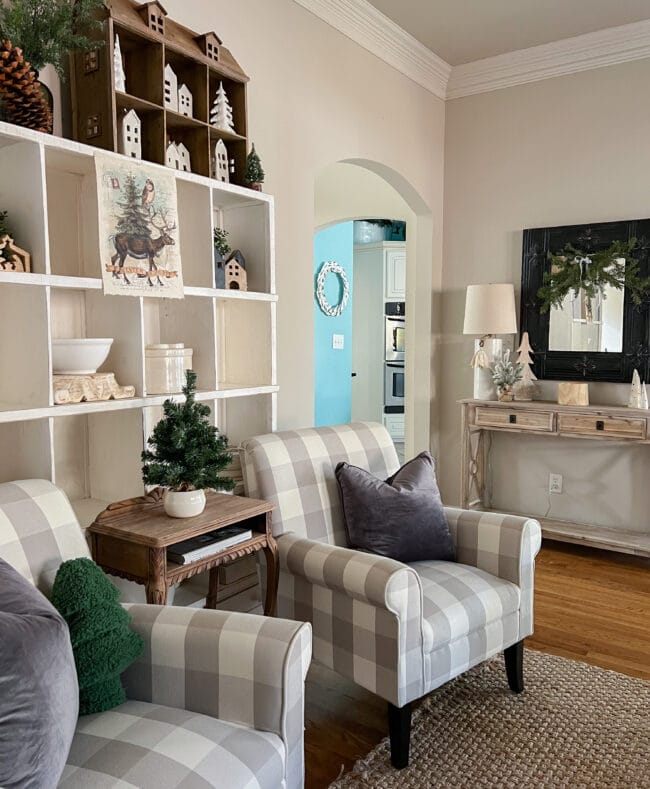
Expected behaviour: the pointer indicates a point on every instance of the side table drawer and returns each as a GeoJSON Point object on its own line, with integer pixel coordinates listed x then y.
{"type": "Point", "coordinates": [541, 421]}
{"type": "Point", "coordinates": [594, 425]}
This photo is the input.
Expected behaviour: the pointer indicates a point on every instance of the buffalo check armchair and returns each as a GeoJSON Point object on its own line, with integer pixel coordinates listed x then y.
{"type": "Point", "coordinates": [217, 698]}
{"type": "Point", "coordinates": [398, 630]}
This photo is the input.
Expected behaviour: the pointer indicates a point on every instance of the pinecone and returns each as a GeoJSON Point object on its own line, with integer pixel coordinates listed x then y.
{"type": "Point", "coordinates": [20, 91]}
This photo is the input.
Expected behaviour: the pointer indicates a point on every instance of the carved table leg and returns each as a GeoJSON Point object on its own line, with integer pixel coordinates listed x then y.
{"type": "Point", "coordinates": [213, 588]}
{"type": "Point", "coordinates": [272, 575]}
{"type": "Point", "coordinates": [156, 586]}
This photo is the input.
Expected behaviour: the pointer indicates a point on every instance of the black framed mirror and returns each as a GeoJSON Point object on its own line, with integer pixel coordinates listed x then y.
{"type": "Point", "coordinates": [581, 339]}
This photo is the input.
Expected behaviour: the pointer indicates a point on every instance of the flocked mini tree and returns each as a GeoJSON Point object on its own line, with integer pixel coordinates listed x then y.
{"type": "Point", "coordinates": [221, 113]}
{"type": "Point", "coordinates": [254, 174]}
{"type": "Point", "coordinates": [185, 451]}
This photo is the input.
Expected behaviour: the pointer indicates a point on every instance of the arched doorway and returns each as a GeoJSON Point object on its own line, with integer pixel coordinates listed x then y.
{"type": "Point", "coordinates": [360, 188]}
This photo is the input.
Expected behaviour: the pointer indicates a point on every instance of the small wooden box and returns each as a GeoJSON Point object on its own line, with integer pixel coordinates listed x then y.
{"type": "Point", "coordinates": [570, 393]}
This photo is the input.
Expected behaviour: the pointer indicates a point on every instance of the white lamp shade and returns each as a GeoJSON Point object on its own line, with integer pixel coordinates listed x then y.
{"type": "Point", "coordinates": [490, 309]}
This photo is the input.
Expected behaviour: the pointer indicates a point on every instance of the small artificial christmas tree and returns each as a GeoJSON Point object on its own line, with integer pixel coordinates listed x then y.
{"type": "Point", "coordinates": [221, 113]}
{"type": "Point", "coordinates": [134, 220]}
{"type": "Point", "coordinates": [102, 641]}
{"type": "Point", "coordinates": [524, 389]}
{"type": "Point", "coordinates": [186, 451]}
{"type": "Point", "coordinates": [254, 174]}
{"type": "Point", "coordinates": [505, 375]}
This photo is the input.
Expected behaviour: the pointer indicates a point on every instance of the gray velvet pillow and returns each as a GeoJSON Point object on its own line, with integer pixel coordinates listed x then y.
{"type": "Point", "coordinates": [39, 697]}
{"type": "Point", "coordinates": [401, 518]}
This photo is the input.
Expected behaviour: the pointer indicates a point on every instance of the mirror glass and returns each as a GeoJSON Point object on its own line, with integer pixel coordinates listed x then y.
{"type": "Point", "coordinates": [584, 324]}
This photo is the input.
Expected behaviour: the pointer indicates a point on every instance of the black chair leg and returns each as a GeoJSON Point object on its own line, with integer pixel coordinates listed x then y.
{"type": "Point", "coordinates": [514, 657]}
{"type": "Point", "coordinates": [399, 728]}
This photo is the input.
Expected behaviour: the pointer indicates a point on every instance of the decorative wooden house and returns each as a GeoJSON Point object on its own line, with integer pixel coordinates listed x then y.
{"type": "Point", "coordinates": [154, 50]}
{"type": "Point", "coordinates": [220, 167]}
{"type": "Point", "coordinates": [236, 278]}
{"type": "Point", "coordinates": [184, 160]}
{"type": "Point", "coordinates": [209, 43]}
{"type": "Point", "coordinates": [130, 135]}
{"type": "Point", "coordinates": [170, 93]}
{"type": "Point", "coordinates": [185, 101]}
{"type": "Point", "coordinates": [172, 158]}
{"type": "Point", "coordinates": [154, 15]}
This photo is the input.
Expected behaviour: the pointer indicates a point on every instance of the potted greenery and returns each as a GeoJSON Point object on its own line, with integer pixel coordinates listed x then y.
{"type": "Point", "coordinates": [221, 250]}
{"type": "Point", "coordinates": [186, 455]}
{"type": "Point", "coordinates": [505, 375]}
{"type": "Point", "coordinates": [254, 175]}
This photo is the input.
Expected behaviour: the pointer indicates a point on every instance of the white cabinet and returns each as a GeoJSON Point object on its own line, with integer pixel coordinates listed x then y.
{"type": "Point", "coordinates": [395, 273]}
{"type": "Point", "coordinates": [92, 450]}
{"type": "Point", "coordinates": [394, 423]}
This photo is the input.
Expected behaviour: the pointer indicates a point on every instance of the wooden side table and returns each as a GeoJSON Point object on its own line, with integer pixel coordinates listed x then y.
{"type": "Point", "coordinates": [130, 539]}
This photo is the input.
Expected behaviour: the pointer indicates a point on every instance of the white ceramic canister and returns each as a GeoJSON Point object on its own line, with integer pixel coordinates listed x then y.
{"type": "Point", "coordinates": [165, 366]}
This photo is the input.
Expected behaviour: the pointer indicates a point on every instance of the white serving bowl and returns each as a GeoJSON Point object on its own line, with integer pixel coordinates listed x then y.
{"type": "Point", "coordinates": [79, 357]}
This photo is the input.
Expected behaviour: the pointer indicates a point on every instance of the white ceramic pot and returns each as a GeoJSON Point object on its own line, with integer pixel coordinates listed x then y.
{"type": "Point", "coordinates": [184, 503]}
{"type": "Point", "coordinates": [79, 356]}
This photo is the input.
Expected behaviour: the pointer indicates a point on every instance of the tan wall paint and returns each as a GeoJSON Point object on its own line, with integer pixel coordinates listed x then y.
{"type": "Point", "coordinates": [569, 150]}
{"type": "Point", "coordinates": [316, 98]}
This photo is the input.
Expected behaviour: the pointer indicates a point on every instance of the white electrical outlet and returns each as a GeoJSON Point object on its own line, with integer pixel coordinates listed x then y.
{"type": "Point", "coordinates": [338, 342]}
{"type": "Point", "coordinates": [555, 483]}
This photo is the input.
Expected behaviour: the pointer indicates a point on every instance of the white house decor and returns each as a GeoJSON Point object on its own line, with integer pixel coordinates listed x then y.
{"type": "Point", "coordinates": [138, 229]}
{"type": "Point", "coordinates": [235, 271]}
{"type": "Point", "coordinates": [118, 66]}
{"type": "Point", "coordinates": [130, 138]}
{"type": "Point", "coordinates": [185, 101]}
{"type": "Point", "coordinates": [184, 158]}
{"type": "Point", "coordinates": [221, 113]}
{"type": "Point", "coordinates": [171, 89]}
{"type": "Point", "coordinates": [332, 267]}
{"type": "Point", "coordinates": [525, 388]}
{"type": "Point", "coordinates": [220, 166]}
{"type": "Point", "coordinates": [172, 158]}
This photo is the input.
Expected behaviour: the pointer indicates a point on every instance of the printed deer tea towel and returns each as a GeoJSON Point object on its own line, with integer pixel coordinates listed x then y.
{"type": "Point", "coordinates": [138, 229]}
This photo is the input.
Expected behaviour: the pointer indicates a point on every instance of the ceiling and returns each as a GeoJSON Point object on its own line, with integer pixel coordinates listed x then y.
{"type": "Point", "coordinates": [460, 31]}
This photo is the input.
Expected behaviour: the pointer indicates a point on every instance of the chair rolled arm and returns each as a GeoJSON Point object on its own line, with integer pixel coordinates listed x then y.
{"type": "Point", "coordinates": [503, 545]}
{"type": "Point", "coordinates": [238, 667]}
{"type": "Point", "coordinates": [377, 580]}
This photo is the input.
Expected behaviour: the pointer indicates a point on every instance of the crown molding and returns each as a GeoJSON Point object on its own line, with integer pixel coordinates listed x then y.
{"type": "Point", "coordinates": [580, 53]}
{"type": "Point", "coordinates": [368, 27]}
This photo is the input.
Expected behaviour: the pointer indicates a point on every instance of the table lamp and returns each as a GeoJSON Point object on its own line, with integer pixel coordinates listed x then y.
{"type": "Point", "coordinates": [489, 310]}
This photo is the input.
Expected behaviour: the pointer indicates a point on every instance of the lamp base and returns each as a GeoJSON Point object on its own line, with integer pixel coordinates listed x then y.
{"type": "Point", "coordinates": [484, 387]}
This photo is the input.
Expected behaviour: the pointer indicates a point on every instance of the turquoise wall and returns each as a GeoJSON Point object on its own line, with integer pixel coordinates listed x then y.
{"type": "Point", "coordinates": [332, 381]}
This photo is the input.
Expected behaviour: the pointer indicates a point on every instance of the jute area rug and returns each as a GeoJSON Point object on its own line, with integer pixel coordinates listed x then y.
{"type": "Point", "coordinates": [574, 726]}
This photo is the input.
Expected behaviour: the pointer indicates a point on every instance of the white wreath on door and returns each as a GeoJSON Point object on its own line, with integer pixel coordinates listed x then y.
{"type": "Point", "coordinates": [331, 267]}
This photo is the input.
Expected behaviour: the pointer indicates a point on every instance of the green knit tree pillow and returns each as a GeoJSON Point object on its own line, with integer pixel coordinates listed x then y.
{"type": "Point", "coordinates": [102, 642]}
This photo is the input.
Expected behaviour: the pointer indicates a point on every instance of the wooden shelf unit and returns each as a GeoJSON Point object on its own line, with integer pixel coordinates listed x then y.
{"type": "Point", "coordinates": [600, 423]}
{"type": "Point", "coordinates": [97, 106]}
{"type": "Point", "coordinates": [92, 450]}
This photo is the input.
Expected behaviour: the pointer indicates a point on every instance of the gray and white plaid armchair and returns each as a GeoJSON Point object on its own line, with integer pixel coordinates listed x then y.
{"type": "Point", "coordinates": [398, 630]}
{"type": "Point", "coordinates": [217, 699]}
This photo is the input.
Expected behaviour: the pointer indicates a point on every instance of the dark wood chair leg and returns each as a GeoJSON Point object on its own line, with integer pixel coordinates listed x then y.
{"type": "Point", "coordinates": [399, 728]}
{"type": "Point", "coordinates": [514, 657]}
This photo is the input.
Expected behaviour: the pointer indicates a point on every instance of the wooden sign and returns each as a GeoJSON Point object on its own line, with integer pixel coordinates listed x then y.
{"type": "Point", "coordinates": [570, 393]}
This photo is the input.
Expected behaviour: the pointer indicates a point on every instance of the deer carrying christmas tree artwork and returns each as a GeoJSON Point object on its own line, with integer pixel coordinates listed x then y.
{"type": "Point", "coordinates": [138, 230]}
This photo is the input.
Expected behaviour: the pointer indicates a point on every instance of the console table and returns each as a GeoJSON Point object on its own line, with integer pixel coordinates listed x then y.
{"type": "Point", "coordinates": [597, 423]}
{"type": "Point", "coordinates": [130, 539]}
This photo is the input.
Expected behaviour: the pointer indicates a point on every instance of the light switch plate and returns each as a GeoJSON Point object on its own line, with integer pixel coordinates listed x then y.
{"type": "Point", "coordinates": [338, 342]}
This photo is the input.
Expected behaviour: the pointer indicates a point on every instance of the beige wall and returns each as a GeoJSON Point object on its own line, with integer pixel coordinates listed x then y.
{"type": "Point", "coordinates": [316, 98]}
{"type": "Point", "coordinates": [569, 150]}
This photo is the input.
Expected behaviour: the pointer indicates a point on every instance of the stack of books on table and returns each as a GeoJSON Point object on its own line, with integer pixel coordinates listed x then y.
{"type": "Point", "coordinates": [208, 544]}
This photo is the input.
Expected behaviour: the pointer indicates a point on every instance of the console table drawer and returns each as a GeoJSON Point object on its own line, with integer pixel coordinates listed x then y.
{"type": "Point", "coordinates": [517, 419]}
{"type": "Point", "coordinates": [612, 426]}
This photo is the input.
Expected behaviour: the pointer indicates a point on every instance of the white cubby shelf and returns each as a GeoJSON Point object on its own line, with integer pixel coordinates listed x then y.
{"type": "Point", "coordinates": [92, 450]}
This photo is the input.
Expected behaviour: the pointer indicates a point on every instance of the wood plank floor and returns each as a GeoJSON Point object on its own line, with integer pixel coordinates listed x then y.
{"type": "Point", "coordinates": [590, 605]}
